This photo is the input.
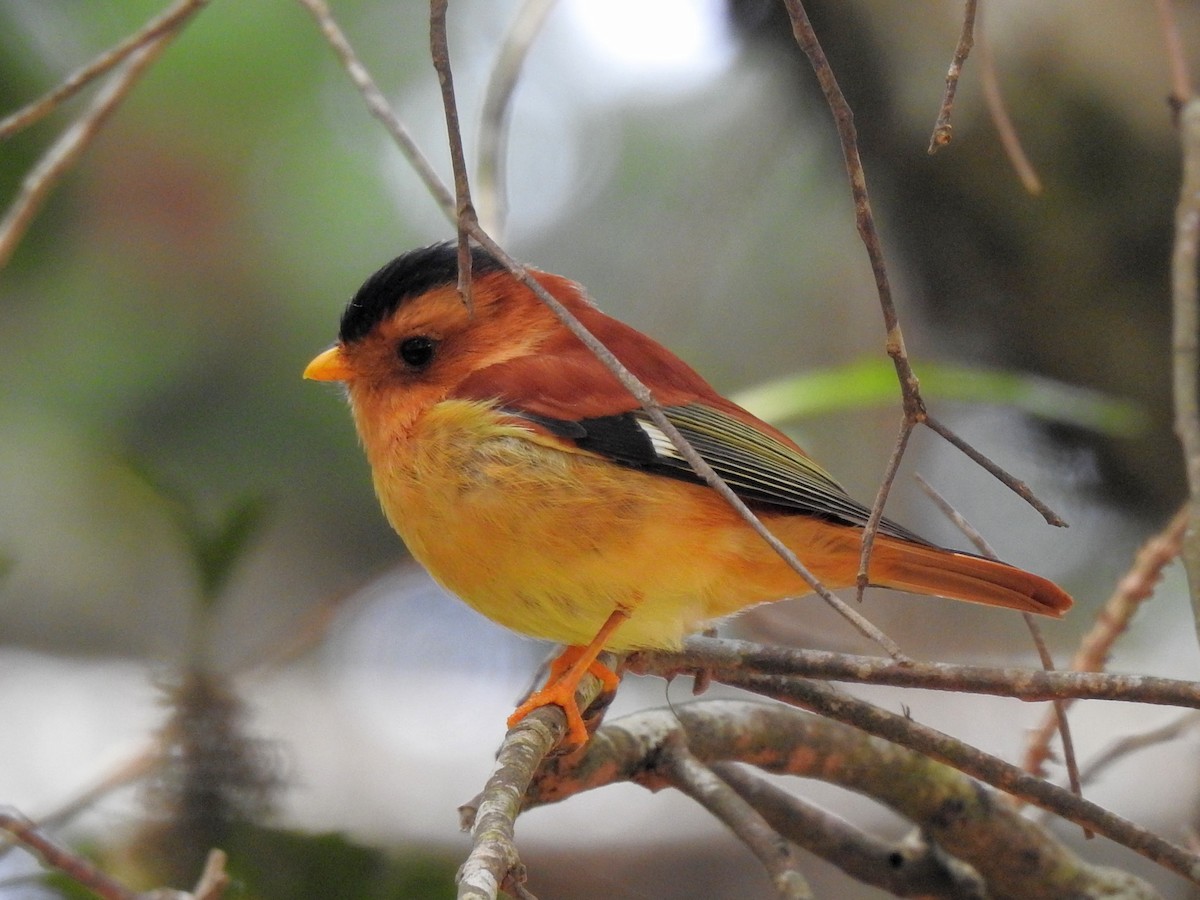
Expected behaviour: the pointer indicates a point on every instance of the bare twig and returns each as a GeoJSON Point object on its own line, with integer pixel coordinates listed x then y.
{"type": "Point", "coordinates": [1132, 743]}
{"type": "Point", "coordinates": [843, 116]}
{"type": "Point", "coordinates": [491, 189]}
{"type": "Point", "coordinates": [1134, 588]}
{"type": "Point", "coordinates": [914, 406]}
{"type": "Point", "coordinates": [885, 486]}
{"type": "Point", "coordinates": [1181, 81]}
{"type": "Point", "coordinates": [943, 131]}
{"type": "Point", "coordinates": [62, 154]}
{"type": "Point", "coordinates": [994, 99]}
{"type": "Point", "coordinates": [214, 879]}
{"type": "Point", "coordinates": [909, 868]}
{"type": "Point", "coordinates": [690, 776]}
{"type": "Point", "coordinates": [170, 20]}
{"type": "Point", "coordinates": [378, 105]}
{"type": "Point", "coordinates": [1018, 487]}
{"type": "Point", "coordinates": [464, 209]}
{"type": "Point", "coordinates": [729, 661]}
{"type": "Point", "coordinates": [654, 410]}
{"type": "Point", "coordinates": [1059, 707]}
{"type": "Point", "coordinates": [1186, 334]}
{"type": "Point", "coordinates": [70, 863]}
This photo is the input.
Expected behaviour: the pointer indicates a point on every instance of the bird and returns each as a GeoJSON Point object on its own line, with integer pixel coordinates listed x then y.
{"type": "Point", "coordinates": [530, 483]}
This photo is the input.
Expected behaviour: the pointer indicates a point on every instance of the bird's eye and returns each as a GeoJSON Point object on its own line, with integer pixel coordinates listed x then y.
{"type": "Point", "coordinates": [417, 352]}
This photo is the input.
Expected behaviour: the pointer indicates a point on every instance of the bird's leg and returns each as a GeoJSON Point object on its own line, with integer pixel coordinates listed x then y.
{"type": "Point", "coordinates": [566, 671]}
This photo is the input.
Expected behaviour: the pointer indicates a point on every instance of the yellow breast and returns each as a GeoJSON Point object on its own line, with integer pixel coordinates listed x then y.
{"type": "Point", "coordinates": [549, 542]}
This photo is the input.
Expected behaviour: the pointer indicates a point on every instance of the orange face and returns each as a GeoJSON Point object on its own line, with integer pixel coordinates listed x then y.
{"type": "Point", "coordinates": [431, 344]}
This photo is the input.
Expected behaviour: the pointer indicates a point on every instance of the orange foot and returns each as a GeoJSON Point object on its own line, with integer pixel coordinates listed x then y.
{"type": "Point", "coordinates": [566, 671]}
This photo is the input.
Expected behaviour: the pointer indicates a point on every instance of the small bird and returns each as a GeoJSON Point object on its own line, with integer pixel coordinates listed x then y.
{"type": "Point", "coordinates": [530, 483]}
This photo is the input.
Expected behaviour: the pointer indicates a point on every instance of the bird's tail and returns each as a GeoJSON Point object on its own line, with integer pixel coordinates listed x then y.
{"type": "Point", "coordinates": [908, 566]}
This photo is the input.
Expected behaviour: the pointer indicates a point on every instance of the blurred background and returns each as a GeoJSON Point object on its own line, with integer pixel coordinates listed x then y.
{"type": "Point", "coordinates": [173, 495]}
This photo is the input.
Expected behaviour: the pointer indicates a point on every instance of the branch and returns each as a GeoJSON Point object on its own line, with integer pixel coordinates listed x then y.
{"type": "Point", "coordinates": [729, 661]}
{"type": "Point", "coordinates": [910, 868]}
{"type": "Point", "coordinates": [1058, 715]}
{"type": "Point", "coordinates": [1009, 140]}
{"type": "Point", "coordinates": [939, 747]}
{"type": "Point", "coordinates": [676, 765]}
{"type": "Point", "coordinates": [1134, 588]}
{"type": "Point", "coordinates": [490, 816]}
{"type": "Point", "coordinates": [654, 410]}
{"type": "Point", "coordinates": [378, 105]}
{"type": "Point", "coordinates": [211, 886]}
{"type": "Point", "coordinates": [64, 152]}
{"type": "Point", "coordinates": [910, 389]}
{"type": "Point", "coordinates": [943, 131]}
{"type": "Point", "coordinates": [464, 209]}
{"type": "Point", "coordinates": [495, 115]}
{"type": "Point", "coordinates": [1015, 857]}
{"type": "Point", "coordinates": [169, 21]}
{"type": "Point", "coordinates": [1186, 328]}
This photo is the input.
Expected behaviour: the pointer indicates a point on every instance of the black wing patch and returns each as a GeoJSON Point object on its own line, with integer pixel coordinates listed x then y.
{"type": "Point", "coordinates": [759, 469]}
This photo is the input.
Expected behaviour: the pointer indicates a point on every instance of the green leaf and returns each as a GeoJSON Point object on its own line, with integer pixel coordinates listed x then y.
{"type": "Point", "coordinates": [216, 547]}
{"type": "Point", "coordinates": [872, 382]}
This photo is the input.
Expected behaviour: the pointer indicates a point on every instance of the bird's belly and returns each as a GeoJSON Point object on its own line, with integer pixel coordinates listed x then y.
{"type": "Point", "coordinates": [549, 543]}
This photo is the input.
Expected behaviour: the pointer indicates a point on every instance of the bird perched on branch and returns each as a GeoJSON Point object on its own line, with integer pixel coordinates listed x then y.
{"type": "Point", "coordinates": [530, 483]}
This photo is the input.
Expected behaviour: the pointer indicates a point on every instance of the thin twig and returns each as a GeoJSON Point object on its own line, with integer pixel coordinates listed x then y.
{"type": "Point", "coordinates": [214, 879]}
{"type": "Point", "coordinates": [997, 109]}
{"type": "Point", "coordinates": [378, 105]}
{"type": "Point", "coordinates": [67, 861]}
{"type": "Point", "coordinates": [1018, 487]}
{"type": "Point", "coordinates": [843, 116]}
{"type": "Point", "coordinates": [729, 659]}
{"type": "Point", "coordinates": [1058, 707]}
{"type": "Point", "coordinates": [654, 410]}
{"type": "Point", "coordinates": [943, 131]}
{"type": "Point", "coordinates": [170, 20]}
{"type": "Point", "coordinates": [1058, 711]}
{"type": "Point", "coordinates": [1185, 341]}
{"type": "Point", "coordinates": [62, 154]}
{"type": "Point", "coordinates": [910, 389]}
{"type": "Point", "coordinates": [1134, 588]}
{"type": "Point", "coordinates": [1181, 81]}
{"type": "Point", "coordinates": [1132, 743]}
{"type": "Point", "coordinates": [690, 776]}
{"type": "Point", "coordinates": [464, 209]}
{"type": "Point", "coordinates": [490, 178]}
{"type": "Point", "coordinates": [885, 486]}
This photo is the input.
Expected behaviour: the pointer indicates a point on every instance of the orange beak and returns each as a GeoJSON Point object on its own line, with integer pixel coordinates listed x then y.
{"type": "Point", "coordinates": [329, 366]}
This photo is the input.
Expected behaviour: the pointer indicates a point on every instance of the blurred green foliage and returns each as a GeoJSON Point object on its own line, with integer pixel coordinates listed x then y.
{"type": "Point", "coordinates": [871, 382]}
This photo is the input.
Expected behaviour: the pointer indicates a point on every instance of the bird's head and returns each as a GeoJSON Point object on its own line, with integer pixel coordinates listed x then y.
{"type": "Point", "coordinates": [407, 339]}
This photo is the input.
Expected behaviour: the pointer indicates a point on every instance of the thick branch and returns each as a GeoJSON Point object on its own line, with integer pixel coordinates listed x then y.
{"type": "Point", "coordinates": [911, 868]}
{"type": "Point", "coordinates": [827, 701]}
{"type": "Point", "coordinates": [1015, 856]}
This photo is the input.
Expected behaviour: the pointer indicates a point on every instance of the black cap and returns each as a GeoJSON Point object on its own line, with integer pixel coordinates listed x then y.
{"type": "Point", "coordinates": [405, 277]}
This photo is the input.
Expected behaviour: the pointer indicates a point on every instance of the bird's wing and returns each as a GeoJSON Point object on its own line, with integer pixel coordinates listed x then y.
{"type": "Point", "coordinates": [565, 400]}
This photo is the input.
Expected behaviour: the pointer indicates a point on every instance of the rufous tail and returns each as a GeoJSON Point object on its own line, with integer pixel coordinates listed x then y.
{"type": "Point", "coordinates": [907, 566]}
